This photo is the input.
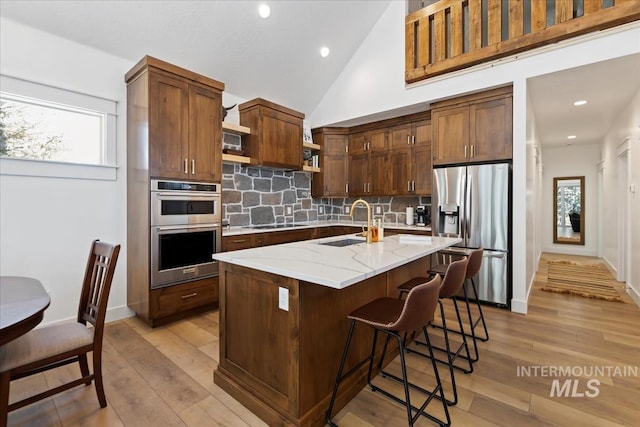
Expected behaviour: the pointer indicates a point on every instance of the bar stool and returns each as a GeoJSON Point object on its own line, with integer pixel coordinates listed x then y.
{"type": "Point", "coordinates": [451, 285]}
{"type": "Point", "coordinates": [473, 267]}
{"type": "Point", "coordinates": [395, 317]}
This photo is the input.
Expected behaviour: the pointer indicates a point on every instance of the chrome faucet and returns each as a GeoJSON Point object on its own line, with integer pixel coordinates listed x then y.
{"type": "Point", "coordinates": [368, 216]}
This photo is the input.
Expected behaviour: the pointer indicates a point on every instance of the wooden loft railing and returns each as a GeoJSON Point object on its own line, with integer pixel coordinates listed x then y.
{"type": "Point", "coordinates": [453, 34]}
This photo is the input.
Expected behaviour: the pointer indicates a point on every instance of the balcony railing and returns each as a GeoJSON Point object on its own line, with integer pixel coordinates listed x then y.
{"type": "Point", "coordinates": [453, 34]}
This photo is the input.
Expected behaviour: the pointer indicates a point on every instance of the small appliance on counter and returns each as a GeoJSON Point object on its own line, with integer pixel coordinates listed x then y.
{"type": "Point", "coordinates": [423, 215]}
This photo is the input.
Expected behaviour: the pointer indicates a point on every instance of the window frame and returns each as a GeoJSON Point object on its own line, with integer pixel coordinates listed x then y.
{"type": "Point", "coordinates": [57, 169]}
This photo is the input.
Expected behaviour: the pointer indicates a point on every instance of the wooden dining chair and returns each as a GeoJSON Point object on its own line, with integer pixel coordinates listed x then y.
{"type": "Point", "coordinates": [53, 346]}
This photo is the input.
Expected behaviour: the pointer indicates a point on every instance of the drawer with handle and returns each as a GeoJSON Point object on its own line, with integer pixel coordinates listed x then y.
{"type": "Point", "coordinates": [175, 299]}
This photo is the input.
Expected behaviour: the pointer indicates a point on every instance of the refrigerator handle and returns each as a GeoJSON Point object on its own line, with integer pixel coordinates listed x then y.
{"type": "Point", "coordinates": [468, 208]}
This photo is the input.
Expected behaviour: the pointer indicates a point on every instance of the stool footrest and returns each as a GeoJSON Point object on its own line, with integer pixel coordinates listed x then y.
{"type": "Point", "coordinates": [419, 411]}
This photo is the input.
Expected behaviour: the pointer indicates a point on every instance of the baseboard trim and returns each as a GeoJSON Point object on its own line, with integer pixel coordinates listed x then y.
{"type": "Point", "coordinates": [612, 268]}
{"type": "Point", "coordinates": [570, 251]}
{"type": "Point", "coordinates": [519, 306]}
{"type": "Point", "coordinates": [119, 313]}
{"type": "Point", "coordinates": [635, 295]}
{"type": "Point", "coordinates": [113, 314]}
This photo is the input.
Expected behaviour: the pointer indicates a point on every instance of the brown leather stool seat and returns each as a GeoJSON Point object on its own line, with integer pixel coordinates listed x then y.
{"type": "Point", "coordinates": [473, 267]}
{"type": "Point", "coordinates": [451, 285]}
{"type": "Point", "coordinates": [395, 318]}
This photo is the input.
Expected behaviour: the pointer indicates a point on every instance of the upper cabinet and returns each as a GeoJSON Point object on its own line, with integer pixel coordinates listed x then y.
{"type": "Point", "coordinates": [368, 174]}
{"type": "Point", "coordinates": [333, 178]}
{"type": "Point", "coordinates": [276, 134]}
{"type": "Point", "coordinates": [475, 128]}
{"type": "Point", "coordinates": [182, 111]}
{"type": "Point", "coordinates": [410, 158]}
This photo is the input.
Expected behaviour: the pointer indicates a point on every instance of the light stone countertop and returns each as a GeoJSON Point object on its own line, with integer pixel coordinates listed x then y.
{"type": "Point", "coordinates": [237, 231]}
{"type": "Point", "coordinates": [335, 267]}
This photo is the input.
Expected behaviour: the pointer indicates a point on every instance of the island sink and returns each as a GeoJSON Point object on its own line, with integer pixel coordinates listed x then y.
{"type": "Point", "coordinates": [343, 242]}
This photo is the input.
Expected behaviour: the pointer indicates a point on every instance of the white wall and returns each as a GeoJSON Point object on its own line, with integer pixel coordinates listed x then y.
{"type": "Point", "coordinates": [47, 224]}
{"type": "Point", "coordinates": [625, 132]}
{"type": "Point", "coordinates": [584, 161]}
{"type": "Point", "coordinates": [373, 82]}
{"type": "Point", "coordinates": [533, 212]}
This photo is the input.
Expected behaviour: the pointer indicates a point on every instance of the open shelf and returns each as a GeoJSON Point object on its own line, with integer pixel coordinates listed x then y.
{"type": "Point", "coordinates": [310, 169]}
{"type": "Point", "coordinates": [235, 129]}
{"type": "Point", "coordinates": [232, 158]}
{"type": "Point", "coordinates": [310, 146]}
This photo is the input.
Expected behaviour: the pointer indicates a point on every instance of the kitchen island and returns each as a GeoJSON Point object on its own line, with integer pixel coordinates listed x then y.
{"type": "Point", "coordinates": [283, 318]}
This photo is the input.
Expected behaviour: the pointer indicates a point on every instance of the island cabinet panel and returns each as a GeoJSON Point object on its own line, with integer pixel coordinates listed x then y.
{"type": "Point", "coordinates": [281, 363]}
{"type": "Point", "coordinates": [323, 331]}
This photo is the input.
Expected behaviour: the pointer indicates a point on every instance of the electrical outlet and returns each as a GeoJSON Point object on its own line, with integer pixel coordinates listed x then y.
{"type": "Point", "coordinates": [347, 209]}
{"type": "Point", "coordinates": [378, 210]}
{"type": "Point", "coordinates": [283, 298]}
{"type": "Point", "coordinates": [288, 210]}
{"type": "Point", "coordinates": [320, 210]}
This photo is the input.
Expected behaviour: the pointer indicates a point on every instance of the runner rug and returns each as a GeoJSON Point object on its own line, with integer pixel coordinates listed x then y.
{"type": "Point", "coordinates": [590, 281]}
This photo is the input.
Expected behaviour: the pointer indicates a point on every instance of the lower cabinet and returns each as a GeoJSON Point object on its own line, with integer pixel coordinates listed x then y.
{"type": "Point", "coordinates": [174, 302]}
{"type": "Point", "coordinates": [288, 236]}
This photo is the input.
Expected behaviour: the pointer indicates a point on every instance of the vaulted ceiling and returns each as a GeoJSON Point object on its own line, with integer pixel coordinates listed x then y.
{"type": "Point", "coordinates": [278, 58]}
{"type": "Point", "coordinates": [275, 58]}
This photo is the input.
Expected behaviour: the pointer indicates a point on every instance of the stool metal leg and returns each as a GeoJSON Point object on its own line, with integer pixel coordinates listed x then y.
{"type": "Point", "coordinates": [339, 377]}
{"type": "Point", "coordinates": [481, 319]}
{"type": "Point", "coordinates": [408, 385]}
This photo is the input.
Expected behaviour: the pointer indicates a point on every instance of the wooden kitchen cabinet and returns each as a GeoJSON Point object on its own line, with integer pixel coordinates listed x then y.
{"type": "Point", "coordinates": [237, 242]}
{"type": "Point", "coordinates": [408, 162]}
{"type": "Point", "coordinates": [333, 178]}
{"type": "Point", "coordinates": [276, 134]}
{"type": "Point", "coordinates": [174, 131]}
{"type": "Point", "coordinates": [475, 128]}
{"type": "Point", "coordinates": [185, 128]}
{"type": "Point", "coordinates": [277, 237]}
{"type": "Point", "coordinates": [368, 161]}
{"type": "Point", "coordinates": [174, 302]}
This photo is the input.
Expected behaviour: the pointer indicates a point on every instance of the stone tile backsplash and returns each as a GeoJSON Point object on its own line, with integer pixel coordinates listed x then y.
{"type": "Point", "coordinates": [262, 196]}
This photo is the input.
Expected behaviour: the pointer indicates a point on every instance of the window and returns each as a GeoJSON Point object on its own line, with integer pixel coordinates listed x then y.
{"type": "Point", "coordinates": [46, 131]}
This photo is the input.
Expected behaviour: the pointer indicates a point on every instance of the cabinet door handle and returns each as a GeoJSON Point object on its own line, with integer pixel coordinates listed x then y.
{"type": "Point", "coordinates": [239, 241]}
{"type": "Point", "coordinates": [413, 139]}
{"type": "Point", "coordinates": [189, 295]}
{"type": "Point", "coordinates": [346, 188]}
{"type": "Point", "coordinates": [368, 187]}
{"type": "Point", "coordinates": [364, 146]}
{"type": "Point", "coordinates": [465, 151]}
{"type": "Point", "coordinates": [193, 166]}
{"type": "Point", "coordinates": [473, 151]}
{"type": "Point", "coordinates": [413, 186]}
{"type": "Point", "coordinates": [186, 168]}
{"type": "Point", "coordinates": [408, 185]}
{"type": "Point", "coordinates": [408, 139]}
{"type": "Point", "coordinates": [364, 190]}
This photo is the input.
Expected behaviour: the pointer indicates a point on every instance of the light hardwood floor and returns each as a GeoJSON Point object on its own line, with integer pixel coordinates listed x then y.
{"type": "Point", "coordinates": [163, 376]}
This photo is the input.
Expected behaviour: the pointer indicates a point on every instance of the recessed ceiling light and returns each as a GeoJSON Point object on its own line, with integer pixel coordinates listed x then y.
{"type": "Point", "coordinates": [264, 10]}
{"type": "Point", "coordinates": [324, 52]}
{"type": "Point", "coordinates": [581, 102]}
{"type": "Point", "coordinates": [571, 137]}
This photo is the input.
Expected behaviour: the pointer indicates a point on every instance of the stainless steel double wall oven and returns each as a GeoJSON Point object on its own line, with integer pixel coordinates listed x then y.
{"type": "Point", "coordinates": [185, 231]}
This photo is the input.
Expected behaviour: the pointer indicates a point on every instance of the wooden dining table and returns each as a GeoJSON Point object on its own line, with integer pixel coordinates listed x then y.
{"type": "Point", "coordinates": [23, 301]}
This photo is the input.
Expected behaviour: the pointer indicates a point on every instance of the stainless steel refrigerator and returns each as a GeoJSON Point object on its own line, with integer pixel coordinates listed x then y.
{"type": "Point", "coordinates": [474, 202]}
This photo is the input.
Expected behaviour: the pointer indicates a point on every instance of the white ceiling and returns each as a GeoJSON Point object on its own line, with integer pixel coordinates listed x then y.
{"type": "Point", "coordinates": [607, 87]}
{"type": "Point", "coordinates": [278, 58]}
